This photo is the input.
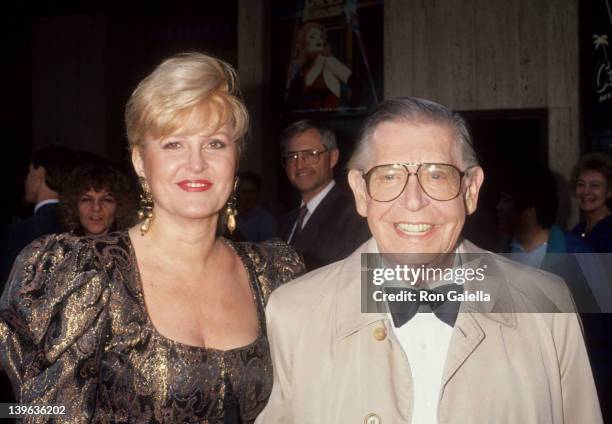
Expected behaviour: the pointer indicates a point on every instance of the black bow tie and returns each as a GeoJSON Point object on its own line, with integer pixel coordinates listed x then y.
{"type": "Point", "coordinates": [446, 311]}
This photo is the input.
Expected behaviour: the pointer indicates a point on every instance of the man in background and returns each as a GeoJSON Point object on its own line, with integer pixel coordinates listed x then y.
{"type": "Point", "coordinates": [47, 171]}
{"type": "Point", "coordinates": [326, 227]}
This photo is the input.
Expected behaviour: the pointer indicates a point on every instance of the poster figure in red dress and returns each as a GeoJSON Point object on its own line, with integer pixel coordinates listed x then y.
{"type": "Point", "coordinates": [316, 79]}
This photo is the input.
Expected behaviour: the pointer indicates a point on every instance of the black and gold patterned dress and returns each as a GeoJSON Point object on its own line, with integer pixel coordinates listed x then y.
{"type": "Point", "coordinates": [74, 331]}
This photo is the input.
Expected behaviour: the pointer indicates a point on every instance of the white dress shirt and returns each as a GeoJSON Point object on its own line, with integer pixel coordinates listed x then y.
{"type": "Point", "coordinates": [425, 340]}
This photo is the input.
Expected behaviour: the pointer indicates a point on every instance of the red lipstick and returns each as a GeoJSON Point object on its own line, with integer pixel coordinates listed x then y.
{"type": "Point", "coordinates": [195, 185]}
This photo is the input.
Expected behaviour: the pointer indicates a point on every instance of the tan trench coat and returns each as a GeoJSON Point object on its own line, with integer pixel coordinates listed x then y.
{"type": "Point", "coordinates": [334, 364]}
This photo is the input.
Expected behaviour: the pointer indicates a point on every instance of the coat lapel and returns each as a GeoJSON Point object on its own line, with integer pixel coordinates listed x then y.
{"type": "Point", "coordinates": [349, 317]}
{"type": "Point", "coordinates": [286, 224]}
{"type": "Point", "coordinates": [467, 336]}
{"type": "Point", "coordinates": [468, 333]}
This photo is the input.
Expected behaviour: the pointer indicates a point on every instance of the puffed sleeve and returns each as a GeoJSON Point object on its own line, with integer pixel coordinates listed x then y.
{"type": "Point", "coordinates": [275, 264]}
{"type": "Point", "coordinates": [53, 323]}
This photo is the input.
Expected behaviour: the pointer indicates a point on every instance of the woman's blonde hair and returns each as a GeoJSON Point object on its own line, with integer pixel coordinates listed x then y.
{"type": "Point", "coordinates": [185, 85]}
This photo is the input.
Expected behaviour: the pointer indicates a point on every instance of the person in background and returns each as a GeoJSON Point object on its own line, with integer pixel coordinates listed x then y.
{"type": "Point", "coordinates": [592, 179]}
{"type": "Point", "coordinates": [48, 170]}
{"type": "Point", "coordinates": [325, 227]}
{"type": "Point", "coordinates": [254, 222]}
{"type": "Point", "coordinates": [526, 211]}
{"type": "Point", "coordinates": [163, 323]}
{"type": "Point", "coordinates": [46, 174]}
{"type": "Point", "coordinates": [97, 198]}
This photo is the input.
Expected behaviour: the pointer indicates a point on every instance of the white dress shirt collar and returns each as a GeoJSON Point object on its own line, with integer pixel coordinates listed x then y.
{"type": "Point", "coordinates": [315, 201]}
{"type": "Point", "coordinates": [43, 203]}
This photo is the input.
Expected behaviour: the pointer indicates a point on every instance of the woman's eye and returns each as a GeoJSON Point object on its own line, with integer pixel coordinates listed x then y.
{"type": "Point", "coordinates": [172, 145]}
{"type": "Point", "coordinates": [109, 200]}
{"type": "Point", "coordinates": [216, 144]}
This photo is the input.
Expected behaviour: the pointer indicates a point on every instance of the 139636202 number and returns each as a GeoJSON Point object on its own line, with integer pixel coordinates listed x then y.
{"type": "Point", "coordinates": [15, 410]}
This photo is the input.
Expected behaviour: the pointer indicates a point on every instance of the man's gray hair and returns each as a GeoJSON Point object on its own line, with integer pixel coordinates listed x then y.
{"type": "Point", "coordinates": [411, 110]}
{"type": "Point", "coordinates": [328, 137]}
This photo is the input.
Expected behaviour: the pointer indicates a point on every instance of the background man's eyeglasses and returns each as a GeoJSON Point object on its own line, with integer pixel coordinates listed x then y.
{"type": "Point", "coordinates": [440, 181]}
{"type": "Point", "coordinates": [309, 157]}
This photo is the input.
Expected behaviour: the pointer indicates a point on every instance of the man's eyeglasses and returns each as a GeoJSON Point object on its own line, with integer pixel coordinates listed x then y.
{"type": "Point", "coordinates": [440, 181]}
{"type": "Point", "coordinates": [309, 157]}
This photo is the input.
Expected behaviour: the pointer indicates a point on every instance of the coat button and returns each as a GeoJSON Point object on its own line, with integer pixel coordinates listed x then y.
{"type": "Point", "coordinates": [380, 333]}
{"type": "Point", "coordinates": [372, 419]}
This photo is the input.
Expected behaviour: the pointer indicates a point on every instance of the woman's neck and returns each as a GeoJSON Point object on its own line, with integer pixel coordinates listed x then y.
{"type": "Point", "coordinates": [533, 237]}
{"type": "Point", "coordinates": [186, 241]}
{"type": "Point", "coordinates": [594, 216]}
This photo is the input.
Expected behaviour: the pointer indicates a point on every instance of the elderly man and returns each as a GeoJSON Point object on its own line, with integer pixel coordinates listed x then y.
{"type": "Point", "coordinates": [415, 177]}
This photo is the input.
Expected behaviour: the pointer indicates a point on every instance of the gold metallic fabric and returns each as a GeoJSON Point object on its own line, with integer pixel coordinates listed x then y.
{"type": "Point", "coordinates": [74, 331]}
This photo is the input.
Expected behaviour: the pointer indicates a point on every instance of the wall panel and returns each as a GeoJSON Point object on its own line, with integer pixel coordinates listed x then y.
{"type": "Point", "coordinates": [486, 54]}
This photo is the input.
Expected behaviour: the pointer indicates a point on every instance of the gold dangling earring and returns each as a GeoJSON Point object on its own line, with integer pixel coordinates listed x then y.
{"type": "Point", "coordinates": [145, 213]}
{"type": "Point", "coordinates": [230, 209]}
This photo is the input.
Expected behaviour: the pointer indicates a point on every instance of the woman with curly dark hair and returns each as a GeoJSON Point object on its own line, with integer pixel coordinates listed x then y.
{"type": "Point", "coordinates": [98, 198]}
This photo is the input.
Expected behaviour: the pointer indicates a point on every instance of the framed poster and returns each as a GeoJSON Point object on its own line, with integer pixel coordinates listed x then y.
{"type": "Point", "coordinates": [327, 56]}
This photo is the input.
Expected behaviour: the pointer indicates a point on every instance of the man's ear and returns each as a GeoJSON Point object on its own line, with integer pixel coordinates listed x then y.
{"type": "Point", "coordinates": [40, 176]}
{"type": "Point", "coordinates": [41, 173]}
{"type": "Point", "coordinates": [334, 155]}
{"type": "Point", "coordinates": [358, 186]}
{"type": "Point", "coordinates": [137, 161]}
{"type": "Point", "coordinates": [474, 181]}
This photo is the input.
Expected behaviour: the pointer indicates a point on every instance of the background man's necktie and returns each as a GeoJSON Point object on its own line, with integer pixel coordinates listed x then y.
{"type": "Point", "coordinates": [298, 223]}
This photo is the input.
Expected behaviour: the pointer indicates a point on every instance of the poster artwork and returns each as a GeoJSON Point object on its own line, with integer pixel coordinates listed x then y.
{"type": "Point", "coordinates": [332, 63]}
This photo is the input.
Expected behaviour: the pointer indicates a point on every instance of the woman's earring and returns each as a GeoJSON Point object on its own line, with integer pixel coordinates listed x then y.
{"type": "Point", "coordinates": [145, 213]}
{"type": "Point", "coordinates": [230, 209]}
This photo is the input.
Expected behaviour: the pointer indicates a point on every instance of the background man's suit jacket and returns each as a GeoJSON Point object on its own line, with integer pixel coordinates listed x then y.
{"type": "Point", "coordinates": [332, 232]}
{"type": "Point", "coordinates": [20, 234]}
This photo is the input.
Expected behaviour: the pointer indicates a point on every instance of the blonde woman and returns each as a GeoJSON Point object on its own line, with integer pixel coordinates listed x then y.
{"type": "Point", "coordinates": [164, 322]}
